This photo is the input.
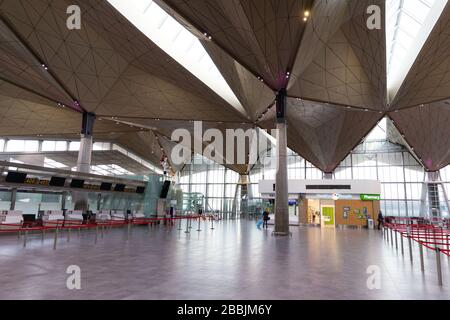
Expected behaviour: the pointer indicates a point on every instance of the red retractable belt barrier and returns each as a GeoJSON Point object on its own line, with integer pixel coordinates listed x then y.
{"type": "Point", "coordinates": [423, 232]}
{"type": "Point", "coordinates": [74, 224]}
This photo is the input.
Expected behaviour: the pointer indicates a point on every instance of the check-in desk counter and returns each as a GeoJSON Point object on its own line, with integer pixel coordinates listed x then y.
{"type": "Point", "coordinates": [74, 217]}
{"type": "Point", "coordinates": [53, 218]}
{"type": "Point", "coordinates": [11, 219]}
{"type": "Point", "coordinates": [117, 215]}
{"type": "Point", "coordinates": [103, 216]}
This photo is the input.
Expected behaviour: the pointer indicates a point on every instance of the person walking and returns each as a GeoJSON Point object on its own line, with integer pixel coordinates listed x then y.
{"type": "Point", "coordinates": [266, 218]}
{"type": "Point", "coordinates": [380, 220]}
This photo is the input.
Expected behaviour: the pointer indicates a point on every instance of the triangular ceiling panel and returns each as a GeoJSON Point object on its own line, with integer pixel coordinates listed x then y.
{"type": "Point", "coordinates": [262, 35]}
{"type": "Point", "coordinates": [346, 67]}
{"type": "Point", "coordinates": [323, 133]}
{"type": "Point", "coordinates": [253, 94]}
{"type": "Point", "coordinates": [426, 129]}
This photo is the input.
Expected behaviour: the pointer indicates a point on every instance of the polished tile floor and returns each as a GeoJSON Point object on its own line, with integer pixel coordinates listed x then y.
{"type": "Point", "coordinates": [233, 261]}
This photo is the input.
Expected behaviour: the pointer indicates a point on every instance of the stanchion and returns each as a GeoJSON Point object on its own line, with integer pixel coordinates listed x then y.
{"type": "Point", "coordinates": [448, 244]}
{"type": "Point", "coordinates": [392, 239]}
{"type": "Point", "coordinates": [212, 222]}
{"type": "Point", "coordinates": [129, 231]}
{"type": "Point", "coordinates": [43, 234]}
{"type": "Point", "coordinates": [422, 265]}
{"type": "Point", "coordinates": [56, 237]}
{"type": "Point", "coordinates": [19, 234]}
{"type": "Point", "coordinates": [409, 242]}
{"type": "Point", "coordinates": [396, 243]}
{"type": "Point", "coordinates": [25, 236]}
{"type": "Point", "coordinates": [438, 265]}
{"type": "Point", "coordinates": [401, 243]}
{"type": "Point", "coordinates": [187, 225]}
{"type": "Point", "coordinates": [79, 232]}
{"type": "Point", "coordinates": [149, 226]}
{"type": "Point", "coordinates": [96, 233]}
{"type": "Point", "coordinates": [103, 230]}
{"type": "Point", "coordinates": [179, 224]}
{"type": "Point", "coordinates": [68, 234]}
{"type": "Point", "coordinates": [199, 224]}
{"type": "Point", "coordinates": [190, 222]}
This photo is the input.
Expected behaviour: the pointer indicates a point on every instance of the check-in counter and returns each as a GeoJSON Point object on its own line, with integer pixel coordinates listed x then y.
{"type": "Point", "coordinates": [117, 215]}
{"type": "Point", "coordinates": [51, 218]}
{"type": "Point", "coordinates": [103, 216]}
{"type": "Point", "coordinates": [11, 219]}
{"type": "Point", "coordinates": [74, 217]}
{"type": "Point", "coordinates": [138, 215]}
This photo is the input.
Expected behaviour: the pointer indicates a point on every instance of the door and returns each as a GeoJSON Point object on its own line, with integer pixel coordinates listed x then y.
{"type": "Point", "coordinates": [328, 218]}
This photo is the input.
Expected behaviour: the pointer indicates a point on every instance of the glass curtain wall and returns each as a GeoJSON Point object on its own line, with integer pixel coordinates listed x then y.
{"type": "Point", "coordinates": [215, 183]}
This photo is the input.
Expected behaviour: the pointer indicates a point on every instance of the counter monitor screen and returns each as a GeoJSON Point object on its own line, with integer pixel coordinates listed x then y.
{"type": "Point", "coordinates": [76, 183]}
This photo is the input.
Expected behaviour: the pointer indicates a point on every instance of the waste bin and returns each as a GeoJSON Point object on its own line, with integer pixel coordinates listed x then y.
{"type": "Point", "coordinates": [370, 224]}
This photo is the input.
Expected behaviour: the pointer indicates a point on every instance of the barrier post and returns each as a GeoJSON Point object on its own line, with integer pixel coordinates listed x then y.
{"type": "Point", "coordinates": [43, 234]}
{"type": "Point", "coordinates": [129, 230]}
{"type": "Point", "coordinates": [187, 225]}
{"type": "Point", "coordinates": [438, 265]}
{"type": "Point", "coordinates": [401, 243]}
{"type": "Point", "coordinates": [79, 232]}
{"type": "Point", "coordinates": [149, 226]}
{"type": "Point", "coordinates": [212, 222]}
{"type": "Point", "coordinates": [396, 244]}
{"type": "Point", "coordinates": [103, 230]}
{"type": "Point", "coordinates": [422, 265]}
{"type": "Point", "coordinates": [56, 237]}
{"type": "Point", "coordinates": [410, 245]}
{"type": "Point", "coordinates": [18, 234]}
{"type": "Point", "coordinates": [179, 224]}
{"type": "Point", "coordinates": [392, 238]}
{"type": "Point", "coordinates": [25, 236]}
{"type": "Point", "coordinates": [199, 224]}
{"type": "Point", "coordinates": [68, 233]}
{"type": "Point", "coordinates": [96, 233]}
{"type": "Point", "coordinates": [448, 244]}
{"type": "Point", "coordinates": [190, 222]}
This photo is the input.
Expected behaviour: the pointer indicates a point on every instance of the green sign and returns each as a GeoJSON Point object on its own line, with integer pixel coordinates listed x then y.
{"type": "Point", "coordinates": [328, 216]}
{"type": "Point", "coordinates": [370, 197]}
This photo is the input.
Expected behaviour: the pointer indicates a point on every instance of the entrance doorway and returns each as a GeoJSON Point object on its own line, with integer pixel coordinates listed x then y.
{"type": "Point", "coordinates": [328, 216]}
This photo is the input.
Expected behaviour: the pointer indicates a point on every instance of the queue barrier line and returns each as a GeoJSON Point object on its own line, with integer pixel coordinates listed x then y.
{"type": "Point", "coordinates": [71, 224]}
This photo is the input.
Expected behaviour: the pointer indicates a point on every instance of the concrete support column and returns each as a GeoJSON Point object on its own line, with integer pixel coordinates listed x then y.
{"type": "Point", "coordinates": [281, 186]}
{"type": "Point", "coordinates": [13, 199]}
{"type": "Point", "coordinates": [84, 158]}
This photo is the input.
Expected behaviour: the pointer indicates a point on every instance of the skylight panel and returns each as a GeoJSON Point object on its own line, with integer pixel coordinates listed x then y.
{"type": "Point", "coordinates": [409, 23]}
{"type": "Point", "coordinates": [177, 42]}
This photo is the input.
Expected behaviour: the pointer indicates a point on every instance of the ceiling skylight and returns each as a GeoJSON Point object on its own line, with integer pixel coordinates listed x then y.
{"type": "Point", "coordinates": [408, 23]}
{"type": "Point", "coordinates": [177, 42]}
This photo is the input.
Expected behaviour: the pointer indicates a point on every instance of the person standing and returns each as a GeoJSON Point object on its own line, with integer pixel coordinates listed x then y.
{"type": "Point", "coordinates": [380, 220]}
{"type": "Point", "coordinates": [266, 218]}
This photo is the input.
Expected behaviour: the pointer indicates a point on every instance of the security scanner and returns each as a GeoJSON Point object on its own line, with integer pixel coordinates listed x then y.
{"type": "Point", "coordinates": [11, 219]}
{"type": "Point", "coordinates": [103, 215]}
{"type": "Point", "coordinates": [117, 215]}
{"type": "Point", "coordinates": [74, 216]}
{"type": "Point", "coordinates": [51, 217]}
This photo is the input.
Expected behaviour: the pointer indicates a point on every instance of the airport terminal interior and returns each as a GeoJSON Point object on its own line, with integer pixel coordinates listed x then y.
{"type": "Point", "coordinates": [218, 149]}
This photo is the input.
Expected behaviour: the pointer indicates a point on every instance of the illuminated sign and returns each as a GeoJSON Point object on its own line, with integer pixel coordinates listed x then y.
{"type": "Point", "coordinates": [370, 197]}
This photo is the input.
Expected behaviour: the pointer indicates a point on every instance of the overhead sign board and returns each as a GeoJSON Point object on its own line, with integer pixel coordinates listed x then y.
{"type": "Point", "coordinates": [370, 197]}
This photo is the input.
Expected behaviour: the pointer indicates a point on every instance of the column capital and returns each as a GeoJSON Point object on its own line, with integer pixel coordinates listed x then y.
{"type": "Point", "coordinates": [87, 125]}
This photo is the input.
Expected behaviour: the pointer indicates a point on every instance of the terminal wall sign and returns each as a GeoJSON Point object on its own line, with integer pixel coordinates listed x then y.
{"type": "Point", "coordinates": [370, 197]}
